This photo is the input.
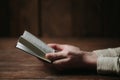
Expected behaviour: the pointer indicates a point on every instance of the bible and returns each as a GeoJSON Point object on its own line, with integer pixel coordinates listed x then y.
{"type": "Point", "coordinates": [34, 46]}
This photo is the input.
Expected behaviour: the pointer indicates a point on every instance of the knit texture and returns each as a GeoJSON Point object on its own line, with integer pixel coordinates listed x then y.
{"type": "Point", "coordinates": [108, 65]}
{"type": "Point", "coordinates": [110, 52]}
{"type": "Point", "coordinates": [108, 61]}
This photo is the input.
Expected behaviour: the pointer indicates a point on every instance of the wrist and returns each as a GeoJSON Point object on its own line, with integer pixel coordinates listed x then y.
{"type": "Point", "coordinates": [91, 59]}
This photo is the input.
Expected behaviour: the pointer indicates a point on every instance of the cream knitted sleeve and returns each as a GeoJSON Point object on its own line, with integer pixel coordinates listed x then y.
{"type": "Point", "coordinates": [110, 52]}
{"type": "Point", "coordinates": [108, 61]}
{"type": "Point", "coordinates": [108, 65]}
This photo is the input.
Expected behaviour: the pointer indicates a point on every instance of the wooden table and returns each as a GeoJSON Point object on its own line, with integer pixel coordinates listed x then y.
{"type": "Point", "coordinates": [16, 64]}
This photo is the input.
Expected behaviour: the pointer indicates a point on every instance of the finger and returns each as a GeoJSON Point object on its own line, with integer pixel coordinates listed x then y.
{"type": "Point", "coordinates": [52, 44]}
{"type": "Point", "coordinates": [61, 63]}
{"type": "Point", "coordinates": [55, 46]}
{"type": "Point", "coordinates": [55, 56]}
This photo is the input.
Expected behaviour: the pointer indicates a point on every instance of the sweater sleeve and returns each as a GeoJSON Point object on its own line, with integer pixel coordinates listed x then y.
{"type": "Point", "coordinates": [110, 52]}
{"type": "Point", "coordinates": [108, 65]}
{"type": "Point", "coordinates": [108, 61]}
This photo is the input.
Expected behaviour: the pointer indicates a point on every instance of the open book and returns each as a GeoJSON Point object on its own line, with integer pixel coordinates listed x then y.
{"type": "Point", "coordinates": [34, 46]}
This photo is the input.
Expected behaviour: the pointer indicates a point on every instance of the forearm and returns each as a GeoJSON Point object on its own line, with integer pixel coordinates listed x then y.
{"type": "Point", "coordinates": [90, 59]}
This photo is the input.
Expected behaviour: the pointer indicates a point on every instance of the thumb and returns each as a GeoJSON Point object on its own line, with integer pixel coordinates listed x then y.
{"type": "Point", "coordinates": [55, 56]}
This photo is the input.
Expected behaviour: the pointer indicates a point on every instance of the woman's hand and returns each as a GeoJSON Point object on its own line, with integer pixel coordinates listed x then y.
{"type": "Point", "coordinates": [71, 57]}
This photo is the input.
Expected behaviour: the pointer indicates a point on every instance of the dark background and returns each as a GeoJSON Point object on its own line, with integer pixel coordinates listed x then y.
{"type": "Point", "coordinates": [60, 18]}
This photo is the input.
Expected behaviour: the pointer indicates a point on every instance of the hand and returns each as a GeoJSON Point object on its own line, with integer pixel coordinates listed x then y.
{"type": "Point", "coordinates": [71, 57]}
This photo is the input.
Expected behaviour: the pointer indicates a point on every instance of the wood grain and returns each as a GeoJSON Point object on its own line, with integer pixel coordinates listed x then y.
{"type": "Point", "coordinates": [60, 18]}
{"type": "Point", "coordinates": [16, 64]}
{"type": "Point", "coordinates": [24, 16]}
{"type": "Point", "coordinates": [56, 18]}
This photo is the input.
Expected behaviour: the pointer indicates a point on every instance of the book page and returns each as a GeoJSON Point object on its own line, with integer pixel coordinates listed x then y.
{"type": "Point", "coordinates": [31, 44]}
{"type": "Point", "coordinates": [37, 42]}
{"type": "Point", "coordinates": [24, 48]}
